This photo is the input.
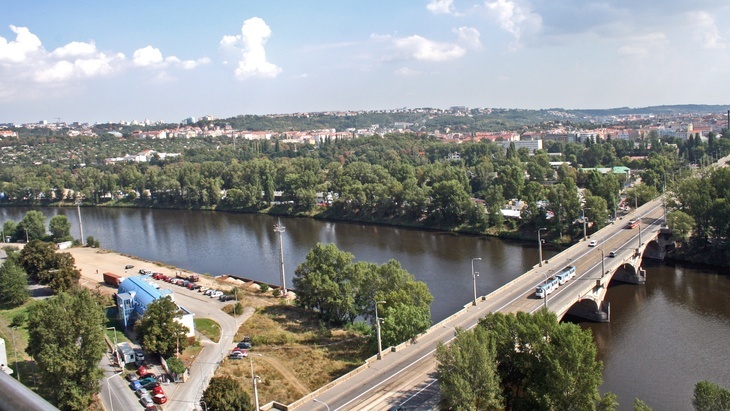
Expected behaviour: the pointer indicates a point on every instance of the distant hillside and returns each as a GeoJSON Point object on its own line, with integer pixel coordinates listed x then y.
{"type": "Point", "coordinates": [673, 109]}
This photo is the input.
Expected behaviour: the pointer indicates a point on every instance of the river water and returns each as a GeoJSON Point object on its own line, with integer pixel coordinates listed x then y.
{"type": "Point", "coordinates": [663, 337]}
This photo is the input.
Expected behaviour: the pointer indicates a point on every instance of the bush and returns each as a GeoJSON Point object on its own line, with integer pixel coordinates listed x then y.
{"type": "Point", "coordinates": [19, 320]}
{"type": "Point", "coordinates": [264, 287]}
{"type": "Point", "coordinates": [277, 292]}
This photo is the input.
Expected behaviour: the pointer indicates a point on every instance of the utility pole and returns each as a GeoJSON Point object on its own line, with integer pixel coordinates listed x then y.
{"type": "Point", "coordinates": [278, 228]}
{"type": "Point", "coordinates": [81, 228]}
{"type": "Point", "coordinates": [377, 327]}
{"type": "Point", "coordinates": [539, 244]}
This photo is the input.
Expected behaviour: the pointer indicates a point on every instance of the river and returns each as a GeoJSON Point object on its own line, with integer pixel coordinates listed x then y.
{"type": "Point", "coordinates": [663, 337]}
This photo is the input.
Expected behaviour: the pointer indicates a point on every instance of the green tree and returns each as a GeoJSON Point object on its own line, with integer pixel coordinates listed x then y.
{"type": "Point", "coordinates": [60, 228]}
{"type": "Point", "coordinates": [681, 224]}
{"type": "Point", "coordinates": [44, 265]}
{"type": "Point", "coordinates": [544, 364]}
{"type": "Point", "coordinates": [467, 372]}
{"type": "Point", "coordinates": [13, 284]}
{"type": "Point", "coordinates": [226, 394]}
{"type": "Point", "coordinates": [640, 405]}
{"type": "Point", "coordinates": [34, 223]}
{"type": "Point", "coordinates": [175, 365]}
{"type": "Point", "coordinates": [10, 229]}
{"type": "Point", "coordinates": [66, 340]}
{"type": "Point", "coordinates": [158, 330]}
{"type": "Point", "coordinates": [710, 397]}
{"type": "Point", "coordinates": [322, 284]}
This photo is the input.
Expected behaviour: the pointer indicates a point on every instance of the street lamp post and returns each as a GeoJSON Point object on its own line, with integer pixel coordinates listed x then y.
{"type": "Point", "coordinates": [377, 328]}
{"type": "Point", "coordinates": [539, 244]}
{"type": "Point", "coordinates": [15, 348]}
{"type": "Point", "coordinates": [583, 211]}
{"type": "Point", "coordinates": [116, 355]}
{"type": "Point", "coordinates": [81, 229]}
{"type": "Point", "coordinates": [109, 387]}
{"type": "Point", "coordinates": [474, 276]}
{"type": "Point", "coordinates": [278, 228]}
{"type": "Point", "coordinates": [255, 379]}
{"type": "Point", "coordinates": [603, 269]}
{"type": "Point", "coordinates": [546, 293]}
{"type": "Point", "coordinates": [321, 402]}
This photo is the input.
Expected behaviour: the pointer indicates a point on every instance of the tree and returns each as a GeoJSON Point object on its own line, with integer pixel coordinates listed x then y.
{"type": "Point", "coordinates": [226, 394]}
{"type": "Point", "coordinates": [60, 228]}
{"type": "Point", "coordinates": [322, 283]}
{"type": "Point", "coordinates": [10, 228]}
{"type": "Point", "coordinates": [175, 365]}
{"type": "Point", "coordinates": [158, 330]}
{"type": "Point", "coordinates": [13, 284]}
{"type": "Point", "coordinates": [66, 340]}
{"type": "Point", "coordinates": [710, 397]}
{"type": "Point", "coordinates": [467, 372]}
{"type": "Point", "coordinates": [544, 364]}
{"type": "Point", "coordinates": [34, 224]}
{"type": "Point", "coordinates": [44, 265]}
{"type": "Point", "coordinates": [681, 224]}
{"type": "Point", "coordinates": [640, 405]}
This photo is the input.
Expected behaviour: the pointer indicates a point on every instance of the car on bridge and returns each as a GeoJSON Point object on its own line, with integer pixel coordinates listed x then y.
{"type": "Point", "coordinates": [593, 243]}
{"type": "Point", "coordinates": [632, 224]}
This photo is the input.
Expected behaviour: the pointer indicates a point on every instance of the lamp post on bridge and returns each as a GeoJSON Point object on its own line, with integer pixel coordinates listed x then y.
{"type": "Point", "coordinates": [603, 258]}
{"type": "Point", "coordinates": [377, 328]}
{"type": "Point", "coordinates": [474, 276]}
{"type": "Point", "coordinates": [539, 244]}
{"type": "Point", "coordinates": [583, 212]}
{"type": "Point", "coordinates": [321, 402]}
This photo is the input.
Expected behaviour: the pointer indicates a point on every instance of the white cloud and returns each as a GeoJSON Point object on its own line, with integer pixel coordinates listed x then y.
{"type": "Point", "coordinates": [643, 45]}
{"type": "Point", "coordinates": [249, 50]}
{"type": "Point", "coordinates": [441, 7]}
{"type": "Point", "coordinates": [75, 49]}
{"type": "Point", "coordinates": [514, 18]}
{"type": "Point", "coordinates": [152, 57]}
{"type": "Point", "coordinates": [419, 48]}
{"type": "Point", "coordinates": [469, 36]}
{"type": "Point", "coordinates": [706, 32]}
{"type": "Point", "coordinates": [20, 50]}
{"type": "Point", "coordinates": [407, 72]}
{"type": "Point", "coordinates": [147, 56]}
{"type": "Point", "coordinates": [97, 64]}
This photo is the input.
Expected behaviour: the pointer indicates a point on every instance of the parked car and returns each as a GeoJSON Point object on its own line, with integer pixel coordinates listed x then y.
{"type": "Point", "coordinates": [150, 386]}
{"type": "Point", "coordinates": [159, 399]}
{"type": "Point", "coordinates": [146, 401]}
{"type": "Point", "coordinates": [238, 354]}
{"type": "Point", "coordinates": [145, 271]}
{"type": "Point", "coordinates": [131, 377]}
{"type": "Point", "coordinates": [142, 392]}
{"type": "Point", "coordinates": [226, 297]}
{"type": "Point", "coordinates": [156, 390]}
{"type": "Point", "coordinates": [135, 385]}
{"type": "Point", "coordinates": [146, 380]}
{"type": "Point", "coordinates": [203, 289]}
{"type": "Point", "coordinates": [158, 276]}
{"type": "Point", "coordinates": [142, 371]}
{"type": "Point", "coordinates": [244, 345]}
{"type": "Point", "coordinates": [216, 294]}
{"type": "Point", "coordinates": [193, 286]}
{"type": "Point", "coordinates": [139, 357]}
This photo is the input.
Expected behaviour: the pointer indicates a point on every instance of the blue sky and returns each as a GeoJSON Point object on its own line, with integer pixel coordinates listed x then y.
{"type": "Point", "coordinates": [100, 61]}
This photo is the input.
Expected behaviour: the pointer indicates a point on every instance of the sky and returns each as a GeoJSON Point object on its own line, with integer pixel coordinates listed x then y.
{"type": "Point", "coordinates": [100, 61]}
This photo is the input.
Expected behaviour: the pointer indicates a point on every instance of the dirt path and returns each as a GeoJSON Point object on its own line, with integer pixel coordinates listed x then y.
{"type": "Point", "coordinates": [288, 375]}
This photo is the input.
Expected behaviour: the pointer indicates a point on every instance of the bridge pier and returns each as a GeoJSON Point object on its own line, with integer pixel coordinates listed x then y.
{"type": "Point", "coordinates": [589, 310]}
{"type": "Point", "coordinates": [636, 276]}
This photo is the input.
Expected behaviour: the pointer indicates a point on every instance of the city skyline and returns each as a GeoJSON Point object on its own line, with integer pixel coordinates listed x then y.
{"type": "Point", "coordinates": [167, 61]}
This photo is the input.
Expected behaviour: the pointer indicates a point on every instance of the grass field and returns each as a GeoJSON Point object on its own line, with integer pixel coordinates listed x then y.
{"type": "Point", "coordinates": [208, 328]}
{"type": "Point", "coordinates": [294, 353]}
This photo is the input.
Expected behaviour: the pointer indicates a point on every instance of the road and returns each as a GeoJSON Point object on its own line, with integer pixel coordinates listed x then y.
{"type": "Point", "coordinates": [407, 377]}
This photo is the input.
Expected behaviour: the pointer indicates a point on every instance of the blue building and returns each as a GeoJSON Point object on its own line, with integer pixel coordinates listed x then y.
{"type": "Point", "coordinates": [135, 294]}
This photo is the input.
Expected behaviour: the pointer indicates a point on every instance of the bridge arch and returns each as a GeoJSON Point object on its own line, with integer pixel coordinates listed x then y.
{"type": "Point", "coordinates": [591, 309]}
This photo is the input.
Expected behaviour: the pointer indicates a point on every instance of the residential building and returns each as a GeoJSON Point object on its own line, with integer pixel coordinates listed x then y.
{"type": "Point", "coordinates": [135, 294]}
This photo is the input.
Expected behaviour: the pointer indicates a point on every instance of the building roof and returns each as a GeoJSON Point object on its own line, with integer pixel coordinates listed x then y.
{"type": "Point", "coordinates": [145, 293]}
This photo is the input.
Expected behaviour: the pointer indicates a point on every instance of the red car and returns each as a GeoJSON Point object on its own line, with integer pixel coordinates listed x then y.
{"type": "Point", "coordinates": [142, 371]}
{"type": "Point", "coordinates": [157, 390]}
{"type": "Point", "coordinates": [159, 399]}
